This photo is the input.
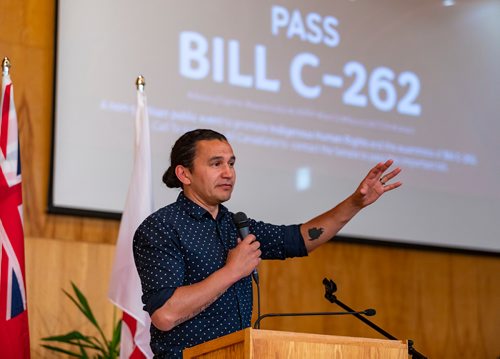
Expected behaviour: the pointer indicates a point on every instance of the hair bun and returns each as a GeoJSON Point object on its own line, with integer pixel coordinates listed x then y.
{"type": "Point", "coordinates": [170, 178]}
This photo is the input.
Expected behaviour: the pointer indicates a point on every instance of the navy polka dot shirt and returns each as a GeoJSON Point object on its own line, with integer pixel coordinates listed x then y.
{"type": "Point", "coordinates": [181, 244]}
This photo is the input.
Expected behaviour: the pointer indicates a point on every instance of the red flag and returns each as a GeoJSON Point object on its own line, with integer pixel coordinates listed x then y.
{"type": "Point", "coordinates": [14, 329]}
{"type": "Point", "coordinates": [125, 286]}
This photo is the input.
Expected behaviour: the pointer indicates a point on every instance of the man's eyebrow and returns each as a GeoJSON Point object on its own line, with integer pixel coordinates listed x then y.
{"type": "Point", "coordinates": [215, 158]}
{"type": "Point", "coordinates": [220, 158]}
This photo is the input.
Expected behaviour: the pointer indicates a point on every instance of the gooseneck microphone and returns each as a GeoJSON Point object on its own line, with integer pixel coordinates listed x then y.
{"type": "Point", "coordinates": [367, 312]}
{"type": "Point", "coordinates": [240, 219]}
{"type": "Point", "coordinates": [331, 288]}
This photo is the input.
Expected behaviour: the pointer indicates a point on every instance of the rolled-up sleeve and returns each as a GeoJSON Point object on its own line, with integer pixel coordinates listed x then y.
{"type": "Point", "coordinates": [279, 242]}
{"type": "Point", "coordinates": [294, 242]}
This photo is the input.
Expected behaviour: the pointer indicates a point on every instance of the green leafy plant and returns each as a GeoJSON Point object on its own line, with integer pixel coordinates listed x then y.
{"type": "Point", "coordinates": [81, 345]}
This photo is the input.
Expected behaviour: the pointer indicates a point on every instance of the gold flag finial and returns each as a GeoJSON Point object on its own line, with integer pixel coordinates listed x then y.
{"type": "Point", "coordinates": [5, 65]}
{"type": "Point", "coordinates": [140, 83]}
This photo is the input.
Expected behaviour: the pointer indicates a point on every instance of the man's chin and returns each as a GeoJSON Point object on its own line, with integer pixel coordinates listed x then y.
{"type": "Point", "coordinates": [224, 197]}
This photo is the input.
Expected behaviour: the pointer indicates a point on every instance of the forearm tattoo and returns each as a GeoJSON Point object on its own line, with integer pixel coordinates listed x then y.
{"type": "Point", "coordinates": [315, 233]}
{"type": "Point", "coordinates": [196, 312]}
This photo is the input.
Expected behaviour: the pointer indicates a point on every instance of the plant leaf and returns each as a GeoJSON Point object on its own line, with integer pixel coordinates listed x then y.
{"type": "Point", "coordinates": [68, 337]}
{"type": "Point", "coordinates": [99, 346]}
{"type": "Point", "coordinates": [105, 349]}
{"type": "Point", "coordinates": [84, 307]}
{"type": "Point", "coordinates": [82, 304]}
{"type": "Point", "coordinates": [77, 339]}
{"type": "Point", "coordinates": [83, 353]}
{"type": "Point", "coordinates": [60, 350]}
{"type": "Point", "coordinates": [115, 340]}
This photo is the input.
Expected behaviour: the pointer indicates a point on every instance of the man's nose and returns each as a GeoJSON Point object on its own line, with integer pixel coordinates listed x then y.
{"type": "Point", "coordinates": [228, 171]}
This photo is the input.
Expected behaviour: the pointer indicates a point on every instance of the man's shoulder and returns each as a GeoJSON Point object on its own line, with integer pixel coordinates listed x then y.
{"type": "Point", "coordinates": [159, 224]}
{"type": "Point", "coordinates": [166, 214]}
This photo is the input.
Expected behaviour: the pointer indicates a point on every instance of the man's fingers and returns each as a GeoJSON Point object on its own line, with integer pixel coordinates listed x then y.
{"type": "Point", "coordinates": [386, 178]}
{"type": "Point", "coordinates": [392, 186]}
{"type": "Point", "coordinates": [379, 169]}
{"type": "Point", "coordinates": [258, 253]}
{"type": "Point", "coordinates": [250, 238]}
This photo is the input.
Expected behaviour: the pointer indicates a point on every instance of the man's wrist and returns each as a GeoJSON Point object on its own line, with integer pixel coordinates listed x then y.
{"type": "Point", "coordinates": [228, 275]}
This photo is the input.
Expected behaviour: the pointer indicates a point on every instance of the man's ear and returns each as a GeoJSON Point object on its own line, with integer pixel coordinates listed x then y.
{"type": "Point", "coordinates": [183, 174]}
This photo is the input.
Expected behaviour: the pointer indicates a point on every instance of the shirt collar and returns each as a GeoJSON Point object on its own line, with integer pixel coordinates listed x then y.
{"type": "Point", "coordinates": [196, 210]}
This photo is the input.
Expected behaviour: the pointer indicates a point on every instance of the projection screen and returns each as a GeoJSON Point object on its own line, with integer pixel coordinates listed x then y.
{"type": "Point", "coordinates": [311, 95]}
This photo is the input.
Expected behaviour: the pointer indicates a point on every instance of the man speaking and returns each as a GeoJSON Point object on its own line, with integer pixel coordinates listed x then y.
{"type": "Point", "coordinates": [194, 270]}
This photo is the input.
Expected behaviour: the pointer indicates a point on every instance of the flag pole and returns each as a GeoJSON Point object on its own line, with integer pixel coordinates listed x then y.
{"type": "Point", "coordinates": [5, 65]}
{"type": "Point", "coordinates": [140, 83]}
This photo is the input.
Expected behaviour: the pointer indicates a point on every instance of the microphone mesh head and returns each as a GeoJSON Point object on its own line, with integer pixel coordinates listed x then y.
{"type": "Point", "coordinates": [240, 219]}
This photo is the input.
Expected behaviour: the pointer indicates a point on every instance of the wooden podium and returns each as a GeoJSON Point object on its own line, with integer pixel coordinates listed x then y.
{"type": "Point", "coordinates": [262, 344]}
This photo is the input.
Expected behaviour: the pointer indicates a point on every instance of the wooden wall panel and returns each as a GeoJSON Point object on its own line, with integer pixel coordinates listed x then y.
{"type": "Point", "coordinates": [448, 303]}
{"type": "Point", "coordinates": [51, 266]}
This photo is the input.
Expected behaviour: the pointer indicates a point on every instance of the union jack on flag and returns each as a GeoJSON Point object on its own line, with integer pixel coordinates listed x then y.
{"type": "Point", "coordinates": [14, 330]}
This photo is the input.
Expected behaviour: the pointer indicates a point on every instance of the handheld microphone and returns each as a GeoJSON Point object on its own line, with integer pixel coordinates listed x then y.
{"type": "Point", "coordinates": [240, 219]}
{"type": "Point", "coordinates": [368, 312]}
